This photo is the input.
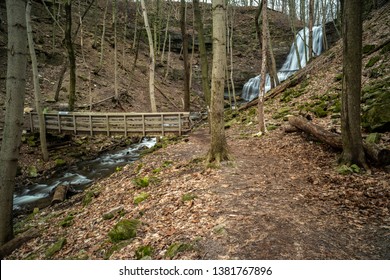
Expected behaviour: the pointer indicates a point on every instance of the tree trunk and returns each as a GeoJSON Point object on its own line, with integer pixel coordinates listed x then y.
{"type": "Point", "coordinates": [352, 70]}
{"type": "Point", "coordinates": [166, 33]}
{"type": "Point", "coordinates": [60, 80]}
{"type": "Point", "coordinates": [115, 52]}
{"type": "Point", "coordinates": [218, 149]}
{"type": "Point", "coordinates": [102, 39]}
{"type": "Point", "coordinates": [292, 20]}
{"type": "Point", "coordinates": [184, 36]}
{"type": "Point", "coordinates": [13, 118]}
{"type": "Point", "coordinates": [37, 90]}
{"type": "Point", "coordinates": [311, 23]}
{"type": "Point", "coordinates": [231, 59]}
{"type": "Point", "coordinates": [203, 53]}
{"type": "Point", "coordinates": [264, 33]}
{"type": "Point", "coordinates": [71, 55]}
{"type": "Point", "coordinates": [152, 59]}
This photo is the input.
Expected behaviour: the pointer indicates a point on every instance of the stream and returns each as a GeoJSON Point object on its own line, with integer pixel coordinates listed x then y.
{"type": "Point", "coordinates": [78, 176]}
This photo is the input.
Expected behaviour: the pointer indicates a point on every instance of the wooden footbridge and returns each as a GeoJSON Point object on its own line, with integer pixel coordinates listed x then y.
{"type": "Point", "coordinates": [127, 124]}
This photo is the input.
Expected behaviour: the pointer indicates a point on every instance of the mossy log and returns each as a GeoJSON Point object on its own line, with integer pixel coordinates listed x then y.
{"type": "Point", "coordinates": [18, 241]}
{"type": "Point", "coordinates": [373, 152]}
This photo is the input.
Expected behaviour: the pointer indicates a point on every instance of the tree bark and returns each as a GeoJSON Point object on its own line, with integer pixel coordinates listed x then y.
{"type": "Point", "coordinates": [264, 33]}
{"type": "Point", "coordinates": [374, 153]}
{"type": "Point", "coordinates": [71, 55]}
{"type": "Point", "coordinates": [115, 53]}
{"type": "Point", "coordinates": [311, 23]}
{"type": "Point", "coordinates": [184, 36]}
{"type": "Point", "coordinates": [218, 147]}
{"type": "Point", "coordinates": [37, 90]}
{"type": "Point", "coordinates": [151, 57]}
{"type": "Point", "coordinates": [350, 99]}
{"type": "Point", "coordinates": [13, 118]}
{"type": "Point", "coordinates": [204, 64]}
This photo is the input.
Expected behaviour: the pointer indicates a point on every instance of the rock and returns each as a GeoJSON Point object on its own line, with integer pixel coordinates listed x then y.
{"type": "Point", "coordinates": [376, 108]}
{"type": "Point", "coordinates": [373, 138]}
{"type": "Point", "coordinates": [56, 247]}
{"type": "Point", "coordinates": [123, 230]}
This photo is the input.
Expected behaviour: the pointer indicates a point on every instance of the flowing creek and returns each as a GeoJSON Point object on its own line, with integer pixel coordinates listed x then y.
{"type": "Point", "coordinates": [78, 176]}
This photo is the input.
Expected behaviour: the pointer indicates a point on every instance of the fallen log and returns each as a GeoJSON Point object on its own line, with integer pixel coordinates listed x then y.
{"type": "Point", "coordinates": [373, 152]}
{"type": "Point", "coordinates": [18, 241]}
{"type": "Point", "coordinates": [59, 194]}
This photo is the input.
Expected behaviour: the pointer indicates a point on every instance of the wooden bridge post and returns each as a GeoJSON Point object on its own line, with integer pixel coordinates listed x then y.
{"type": "Point", "coordinates": [90, 125]}
{"type": "Point", "coordinates": [179, 120]}
{"type": "Point", "coordinates": [125, 124]}
{"type": "Point", "coordinates": [162, 125]}
{"type": "Point", "coordinates": [74, 124]}
{"type": "Point", "coordinates": [108, 125]}
{"type": "Point", "coordinates": [143, 125]}
{"type": "Point", "coordinates": [59, 122]}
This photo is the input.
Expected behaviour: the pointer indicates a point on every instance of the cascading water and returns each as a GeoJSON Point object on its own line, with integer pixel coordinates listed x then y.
{"type": "Point", "coordinates": [251, 88]}
{"type": "Point", "coordinates": [78, 176]}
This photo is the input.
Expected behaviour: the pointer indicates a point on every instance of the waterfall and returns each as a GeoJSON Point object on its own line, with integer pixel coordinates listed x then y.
{"type": "Point", "coordinates": [251, 88]}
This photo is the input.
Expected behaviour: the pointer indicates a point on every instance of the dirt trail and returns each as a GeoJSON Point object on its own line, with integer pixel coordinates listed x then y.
{"type": "Point", "coordinates": [272, 205]}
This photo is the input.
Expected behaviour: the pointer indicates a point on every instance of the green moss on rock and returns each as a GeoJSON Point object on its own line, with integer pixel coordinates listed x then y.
{"type": "Point", "coordinates": [144, 252]}
{"type": "Point", "coordinates": [55, 247]}
{"type": "Point", "coordinates": [140, 197]}
{"type": "Point", "coordinates": [376, 106]}
{"type": "Point", "coordinates": [123, 230]}
{"type": "Point", "coordinates": [373, 138]}
{"type": "Point", "coordinates": [368, 48]}
{"type": "Point", "coordinates": [176, 248]}
{"type": "Point", "coordinates": [372, 61]}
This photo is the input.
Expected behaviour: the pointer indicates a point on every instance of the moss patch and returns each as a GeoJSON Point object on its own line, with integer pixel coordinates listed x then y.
{"type": "Point", "coordinates": [188, 197]}
{"type": "Point", "coordinates": [140, 197]}
{"type": "Point", "coordinates": [68, 221]}
{"type": "Point", "coordinates": [141, 182]}
{"type": "Point", "coordinates": [372, 61]}
{"type": "Point", "coordinates": [144, 252]}
{"type": "Point", "coordinates": [123, 230]}
{"type": "Point", "coordinates": [55, 247]}
{"type": "Point", "coordinates": [176, 248]}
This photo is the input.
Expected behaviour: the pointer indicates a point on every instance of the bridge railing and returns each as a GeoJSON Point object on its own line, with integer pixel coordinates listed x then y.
{"type": "Point", "coordinates": [145, 124]}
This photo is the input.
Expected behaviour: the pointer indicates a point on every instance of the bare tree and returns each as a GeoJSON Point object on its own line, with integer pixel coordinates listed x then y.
{"type": "Point", "coordinates": [204, 64]}
{"type": "Point", "coordinates": [37, 90]}
{"type": "Point", "coordinates": [13, 119]}
{"type": "Point", "coordinates": [152, 58]}
{"type": "Point", "coordinates": [262, 127]}
{"type": "Point", "coordinates": [71, 54]}
{"type": "Point", "coordinates": [115, 51]}
{"type": "Point", "coordinates": [353, 152]}
{"type": "Point", "coordinates": [218, 147]}
{"type": "Point", "coordinates": [184, 36]}
{"type": "Point", "coordinates": [311, 22]}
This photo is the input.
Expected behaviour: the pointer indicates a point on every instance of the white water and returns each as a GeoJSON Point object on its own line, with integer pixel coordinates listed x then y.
{"type": "Point", "coordinates": [80, 175]}
{"type": "Point", "coordinates": [251, 89]}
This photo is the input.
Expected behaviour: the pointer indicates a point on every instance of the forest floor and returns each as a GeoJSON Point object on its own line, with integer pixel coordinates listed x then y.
{"type": "Point", "coordinates": [279, 198]}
